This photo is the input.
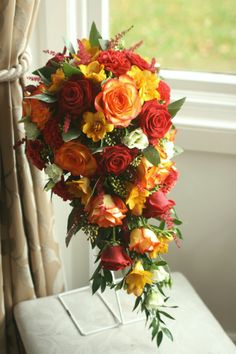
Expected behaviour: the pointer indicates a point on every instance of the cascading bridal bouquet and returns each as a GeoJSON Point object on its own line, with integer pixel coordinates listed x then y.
{"type": "Point", "coordinates": [99, 123]}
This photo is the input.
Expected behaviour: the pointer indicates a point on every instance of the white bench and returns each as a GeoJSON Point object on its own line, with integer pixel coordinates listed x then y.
{"type": "Point", "coordinates": [46, 328]}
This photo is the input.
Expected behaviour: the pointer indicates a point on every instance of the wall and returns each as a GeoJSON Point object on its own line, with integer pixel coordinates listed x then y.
{"type": "Point", "coordinates": [205, 194]}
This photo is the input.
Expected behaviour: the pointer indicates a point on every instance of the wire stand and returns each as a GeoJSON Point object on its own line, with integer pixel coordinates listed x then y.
{"type": "Point", "coordinates": [119, 318]}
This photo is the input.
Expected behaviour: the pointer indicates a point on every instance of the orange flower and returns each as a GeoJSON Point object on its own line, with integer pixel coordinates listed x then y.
{"type": "Point", "coordinates": [76, 158]}
{"type": "Point", "coordinates": [150, 176]}
{"type": "Point", "coordinates": [143, 240]}
{"type": "Point", "coordinates": [106, 211]}
{"type": "Point", "coordinates": [119, 101]}
{"type": "Point", "coordinates": [58, 79]}
{"type": "Point", "coordinates": [38, 112]}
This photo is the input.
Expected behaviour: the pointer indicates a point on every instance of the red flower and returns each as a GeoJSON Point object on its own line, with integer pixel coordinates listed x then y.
{"type": "Point", "coordinates": [61, 190]}
{"type": "Point", "coordinates": [52, 134]}
{"type": "Point", "coordinates": [155, 120]}
{"type": "Point", "coordinates": [115, 159]}
{"type": "Point", "coordinates": [33, 153]}
{"type": "Point", "coordinates": [76, 96]}
{"type": "Point", "coordinates": [135, 59]}
{"type": "Point", "coordinates": [114, 61]}
{"type": "Point", "coordinates": [164, 91]}
{"type": "Point", "coordinates": [170, 180]}
{"type": "Point", "coordinates": [157, 205]}
{"type": "Point", "coordinates": [115, 258]}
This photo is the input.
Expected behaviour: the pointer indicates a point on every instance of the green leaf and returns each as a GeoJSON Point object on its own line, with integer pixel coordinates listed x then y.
{"type": "Point", "coordinates": [179, 233]}
{"type": "Point", "coordinates": [103, 284]}
{"type": "Point", "coordinates": [137, 302]}
{"type": "Point", "coordinates": [94, 36]}
{"type": "Point", "coordinates": [49, 185]}
{"type": "Point", "coordinates": [45, 73]}
{"type": "Point", "coordinates": [174, 107]}
{"type": "Point", "coordinates": [168, 333]}
{"type": "Point", "coordinates": [71, 134]}
{"type": "Point", "coordinates": [97, 270]}
{"type": "Point", "coordinates": [152, 155]}
{"type": "Point", "coordinates": [70, 69]}
{"type": "Point", "coordinates": [24, 119]}
{"type": "Point", "coordinates": [155, 330]}
{"type": "Point", "coordinates": [166, 315]}
{"type": "Point", "coordinates": [43, 97]}
{"type": "Point", "coordinates": [161, 263]}
{"type": "Point", "coordinates": [177, 221]}
{"type": "Point", "coordinates": [120, 284]}
{"type": "Point", "coordinates": [103, 43]}
{"type": "Point", "coordinates": [159, 338]}
{"type": "Point", "coordinates": [96, 283]}
{"type": "Point", "coordinates": [69, 46]}
{"type": "Point", "coordinates": [107, 275]}
{"type": "Point", "coordinates": [178, 150]}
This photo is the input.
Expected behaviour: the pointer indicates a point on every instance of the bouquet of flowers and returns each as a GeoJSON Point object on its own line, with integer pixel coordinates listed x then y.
{"type": "Point", "coordinates": [99, 123]}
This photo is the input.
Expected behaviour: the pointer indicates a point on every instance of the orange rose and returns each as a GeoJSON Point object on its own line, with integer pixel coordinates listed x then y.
{"type": "Point", "coordinates": [37, 111]}
{"type": "Point", "coordinates": [106, 211]}
{"type": "Point", "coordinates": [76, 158]}
{"type": "Point", "coordinates": [143, 240]}
{"type": "Point", "coordinates": [119, 101]}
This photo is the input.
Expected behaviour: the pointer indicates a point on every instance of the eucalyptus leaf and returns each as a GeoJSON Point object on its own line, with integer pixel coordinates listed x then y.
{"type": "Point", "coordinates": [69, 46]}
{"type": "Point", "coordinates": [155, 330]}
{"type": "Point", "coordinates": [49, 185]}
{"type": "Point", "coordinates": [159, 338]}
{"type": "Point", "coordinates": [70, 70]}
{"type": "Point", "coordinates": [168, 333]}
{"type": "Point", "coordinates": [71, 134]}
{"type": "Point", "coordinates": [152, 155]}
{"type": "Point", "coordinates": [43, 97]}
{"type": "Point", "coordinates": [175, 106]}
{"type": "Point", "coordinates": [94, 36]}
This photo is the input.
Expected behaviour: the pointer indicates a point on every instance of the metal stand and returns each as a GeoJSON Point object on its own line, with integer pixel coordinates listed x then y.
{"type": "Point", "coordinates": [118, 318]}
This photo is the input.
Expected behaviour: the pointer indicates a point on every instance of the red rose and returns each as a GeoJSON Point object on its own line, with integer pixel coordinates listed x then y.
{"type": "Point", "coordinates": [164, 91]}
{"type": "Point", "coordinates": [170, 180]}
{"type": "Point", "coordinates": [115, 258]}
{"type": "Point", "coordinates": [52, 134]}
{"type": "Point", "coordinates": [115, 159]}
{"type": "Point", "coordinates": [33, 153]}
{"type": "Point", "coordinates": [157, 205]}
{"type": "Point", "coordinates": [114, 61]}
{"type": "Point", "coordinates": [155, 120]}
{"type": "Point", "coordinates": [76, 96]}
{"type": "Point", "coordinates": [135, 59]}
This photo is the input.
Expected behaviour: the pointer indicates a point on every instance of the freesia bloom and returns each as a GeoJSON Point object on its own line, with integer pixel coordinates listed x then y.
{"type": "Point", "coordinates": [136, 199]}
{"type": "Point", "coordinates": [115, 258]}
{"type": "Point", "coordinates": [106, 210]}
{"type": "Point", "coordinates": [57, 81]}
{"type": "Point", "coordinates": [154, 300]}
{"type": "Point", "coordinates": [137, 279]}
{"type": "Point", "coordinates": [136, 139]}
{"type": "Point", "coordinates": [146, 82]}
{"type": "Point", "coordinates": [93, 71]}
{"type": "Point", "coordinates": [80, 189]}
{"type": "Point", "coordinates": [96, 126]}
{"type": "Point", "coordinates": [119, 101]}
{"type": "Point", "coordinates": [76, 158]}
{"type": "Point", "coordinates": [142, 240]}
{"type": "Point", "coordinates": [162, 246]}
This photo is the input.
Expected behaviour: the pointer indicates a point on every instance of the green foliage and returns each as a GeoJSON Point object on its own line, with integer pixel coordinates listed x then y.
{"type": "Point", "coordinates": [152, 155]}
{"type": "Point", "coordinates": [45, 73]}
{"type": "Point", "coordinates": [70, 70]}
{"type": "Point", "coordinates": [94, 36]}
{"type": "Point", "coordinates": [174, 107]}
{"type": "Point", "coordinates": [72, 133]}
{"type": "Point", "coordinates": [43, 97]}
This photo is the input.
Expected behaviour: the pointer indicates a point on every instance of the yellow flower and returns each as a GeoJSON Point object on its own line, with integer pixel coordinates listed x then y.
{"type": "Point", "coordinates": [93, 71]}
{"type": "Point", "coordinates": [80, 189]}
{"type": "Point", "coordinates": [137, 199]}
{"type": "Point", "coordinates": [96, 126]}
{"type": "Point", "coordinates": [57, 81]}
{"type": "Point", "coordinates": [162, 247]}
{"type": "Point", "coordinates": [147, 83]}
{"type": "Point", "coordinates": [137, 279]}
{"type": "Point", "coordinates": [93, 51]}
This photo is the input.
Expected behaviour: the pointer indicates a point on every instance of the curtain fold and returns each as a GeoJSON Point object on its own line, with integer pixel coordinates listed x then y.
{"type": "Point", "coordinates": [30, 265]}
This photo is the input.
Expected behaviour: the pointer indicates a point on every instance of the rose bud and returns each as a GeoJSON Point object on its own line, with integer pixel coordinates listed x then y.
{"type": "Point", "coordinates": [115, 258]}
{"type": "Point", "coordinates": [157, 205]}
{"type": "Point", "coordinates": [143, 240]}
{"type": "Point", "coordinates": [106, 210]}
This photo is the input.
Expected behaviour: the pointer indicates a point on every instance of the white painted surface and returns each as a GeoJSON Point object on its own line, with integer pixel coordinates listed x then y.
{"type": "Point", "coordinates": [205, 194]}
